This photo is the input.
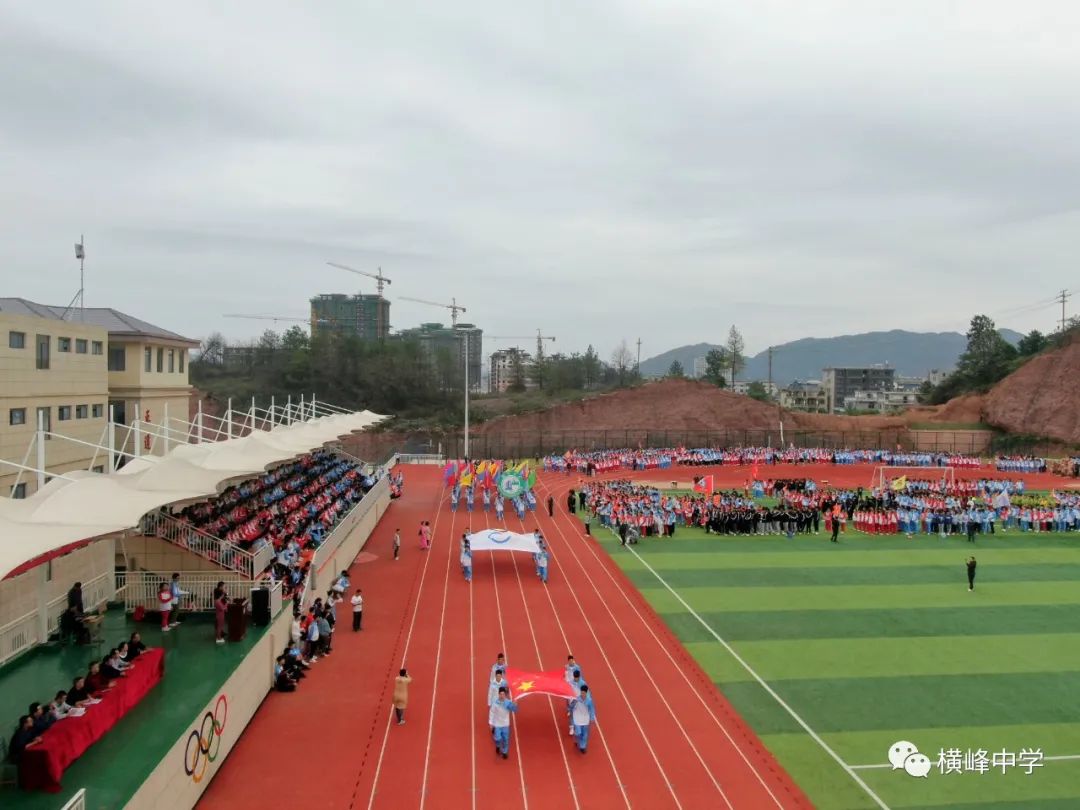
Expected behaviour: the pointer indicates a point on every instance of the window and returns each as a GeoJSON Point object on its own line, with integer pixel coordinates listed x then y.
{"type": "Point", "coordinates": [172, 361]}
{"type": "Point", "coordinates": [43, 351]}
{"type": "Point", "coordinates": [81, 411]}
{"type": "Point", "coordinates": [117, 358]}
{"type": "Point", "coordinates": [97, 347]}
{"type": "Point", "coordinates": [96, 411]}
{"type": "Point", "coordinates": [80, 345]}
{"type": "Point", "coordinates": [63, 344]}
{"type": "Point", "coordinates": [16, 340]}
{"type": "Point", "coordinates": [63, 413]}
{"type": "Point", "coordinates": [17, 416]}
{"type": "Point", "coordinates": [148, 359]}
{"type": "Point", "coordinates": [18, 492]}
{"type": "Point", "coordinates": [183, 354]}
{"type": "Point", "coordinates": [45, 418]}
{"type": "Point", "coordinates": [160, 360]}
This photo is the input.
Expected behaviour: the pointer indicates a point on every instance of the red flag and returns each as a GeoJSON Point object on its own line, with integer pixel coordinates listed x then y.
{"type": "Point", "coordinates": [524, 683]}
{"type": "Point", "coordinates": [753, 471]}
{"type": "Point", "coordinates": [704, 484]}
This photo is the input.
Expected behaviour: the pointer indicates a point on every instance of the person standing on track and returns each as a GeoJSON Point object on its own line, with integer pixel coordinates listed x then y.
{"type": "Point", "coordinates": [576, 683]}
{"type": "Point", "coordinates": [971, 573]}
{"type": "Point", "coordinates": [500, 508]}
{"type": "Point", "coordinates": [551, 506]}
{"type": "Point", "coordinates": [357, 610]}
{"type": "Point", "coordinates": [401, 695]}
{"type": "Point", "coordinates": [500, 663]}
{"type": "Point", "coordinates": [571, 503]}
{"type": "Point", "coordinates": [582, 714]}
{"type": "Point", "coordinates": [466, 563]}
{"type": "Point", "coordinates": [397, 543]}
{"type": "Point", "coordinates": [493, 694]}
{"type": "Point", "coordinates": [542, 565]}
{"type": "Point", "coordinates": [500, 720]}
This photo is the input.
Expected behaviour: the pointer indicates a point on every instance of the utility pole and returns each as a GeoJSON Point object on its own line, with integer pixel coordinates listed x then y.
{"type": "Point", "coordinates": [1063, 296]}
{"type": "Point", "coordinates": [80, 254]}
{"type": "Point", "coordinates": [637, 366]}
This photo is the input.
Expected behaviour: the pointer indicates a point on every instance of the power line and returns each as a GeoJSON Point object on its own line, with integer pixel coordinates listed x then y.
{"type": "Point", "coordinates": [1063, 296]}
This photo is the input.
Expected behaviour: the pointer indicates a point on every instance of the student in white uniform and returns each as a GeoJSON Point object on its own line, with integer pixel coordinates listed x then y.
{"type": "Point", "coordinates": [583, 714]}
{"type": "Point", "coordinates": [500, 720]}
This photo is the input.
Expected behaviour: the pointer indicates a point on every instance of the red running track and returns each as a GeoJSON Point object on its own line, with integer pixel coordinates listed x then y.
{"type": "Point", "coordinates": [665, 737]}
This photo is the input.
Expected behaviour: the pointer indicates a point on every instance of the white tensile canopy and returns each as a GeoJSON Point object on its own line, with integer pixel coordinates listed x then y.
{"type": "Point", "coordinates": [503, 540]}
{"type": "Point", "coordinates": [82, 505]}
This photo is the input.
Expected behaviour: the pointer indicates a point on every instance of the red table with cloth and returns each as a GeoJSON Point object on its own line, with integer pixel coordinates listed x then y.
{"type": "Point", "coordinates": [41, 766]}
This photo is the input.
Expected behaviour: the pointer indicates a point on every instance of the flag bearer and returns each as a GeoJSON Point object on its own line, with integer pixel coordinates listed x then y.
{"type": "Point", "coordinates": [500, 720]}
{"type": "Point", "coordinates": [583, 713]}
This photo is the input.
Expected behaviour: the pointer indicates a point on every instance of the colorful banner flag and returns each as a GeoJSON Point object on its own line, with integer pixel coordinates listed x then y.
{"type": "Point", "coordinates": [704, 484]}
{"type": "Point", "coordinates": [900, 484]}
{"type": "Point", "coordinates": [530, 482]}
{"type": "Point", "coordinates": [524, 683]}
{"type": "Point", "coordinates": [450, 473]}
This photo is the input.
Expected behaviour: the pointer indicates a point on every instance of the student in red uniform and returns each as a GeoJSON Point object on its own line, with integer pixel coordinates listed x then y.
{"type": "Point", "coordinates": [165, 605]}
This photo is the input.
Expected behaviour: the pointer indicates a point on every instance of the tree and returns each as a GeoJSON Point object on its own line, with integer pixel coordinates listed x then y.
{"type": "Point", "coordinates": [295, 339]}
{"type": "Point", "coordinates": [756, 390]}
{"type": "Point", "coordinates": [517, 374]}
{"type": "Point", "coordinates": [675, 369]}
{"type": "Point", "coordinates": [716, 364]}
{"type": "Point", "coordinates": [591, 367]}
{"type": "Point", "coordinates": [622, 359]}
{"type": "Point", "coordinates": [735, 347]}
{"type": "Point", "coordinates": [212, 351]}
{"type": "Point", "coordinates": [1032, 343]}
{"type": "Point", "coordinates": [988, 355]}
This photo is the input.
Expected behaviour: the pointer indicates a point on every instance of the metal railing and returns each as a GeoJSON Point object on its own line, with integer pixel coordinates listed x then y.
{"type": "Point", "coordinates": [18, 636]}
{"type": "Point", "coordinates": [140, 589]}
{"type": "Point", "coordinates": [222, 552]}
{"type": "Point", "coordinates": [76, 802]}
{"type": "Point", "coordinates": [418, 458]}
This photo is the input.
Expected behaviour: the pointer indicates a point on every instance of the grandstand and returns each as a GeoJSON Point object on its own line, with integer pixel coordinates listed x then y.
{"type": "Point", "coordinates": [221, 501]}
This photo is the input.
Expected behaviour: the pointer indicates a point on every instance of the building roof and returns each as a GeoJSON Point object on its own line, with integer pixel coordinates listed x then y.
{"type": "Point", "coordinates": [114, 321]}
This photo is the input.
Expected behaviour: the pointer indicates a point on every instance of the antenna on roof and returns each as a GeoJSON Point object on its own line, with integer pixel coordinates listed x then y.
{"type": "Point", "coordinates": [80, 296]}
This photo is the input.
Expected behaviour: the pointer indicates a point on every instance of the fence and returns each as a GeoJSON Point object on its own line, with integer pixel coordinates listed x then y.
{"type": "Point", "coordinates": [534, 444]}
{"type": "Point", "coordinates": [140, 589]}
{"type": "Point", "coordinates": [76, 802]}
{"type": "Point", "coordinates": [418, 458]}
{"type": "Point", "coordinates": [222, 552]}
{"type": "Point", "coordinates": [18, 636]}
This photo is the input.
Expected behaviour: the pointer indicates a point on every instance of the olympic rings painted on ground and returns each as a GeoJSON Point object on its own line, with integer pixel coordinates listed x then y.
{"type": "Point", "coordinates": [207, 741]}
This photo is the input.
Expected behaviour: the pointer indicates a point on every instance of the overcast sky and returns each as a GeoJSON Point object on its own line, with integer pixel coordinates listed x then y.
{"type": "Point", "coordinates": [599, 169]}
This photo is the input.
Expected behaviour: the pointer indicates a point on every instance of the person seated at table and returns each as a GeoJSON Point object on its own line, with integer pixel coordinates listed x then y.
{"type": "Point", "coordinates": [96, 681]}
{"type": "Point", "coordinates": [60, 706]}
{"type": "Point", "coordinates": [282, 681]}
{"type": "Point", "coordinates": [42, 719]}
{"type": "Point", "coordinates": [117, 661]}
{"type": "Point", "coordinates": [23, 737]}
{"type": "Point", "coordinates": [135, 647]}
{"type": "Point", "coordinates": [72, 626]}
{"type": "Point", "coordinates": [79, 696]}
{"type": "Point", "coordinates": [106, 668]}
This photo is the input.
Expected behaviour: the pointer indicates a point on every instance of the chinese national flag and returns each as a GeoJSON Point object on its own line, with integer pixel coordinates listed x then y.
{"type": "Point", "coordinates": [754, 471]}
{"type": "Point", "coordinates": [704, 484]}
{"type": "Point", "coordinates": [524, 683]}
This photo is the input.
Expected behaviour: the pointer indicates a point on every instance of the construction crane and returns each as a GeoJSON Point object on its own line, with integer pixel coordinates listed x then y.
{"type": "Point", "coordinates": [288, 318]}
{"type": "Point", "coordinates": [453, 306]}
{"type": "Point", "coordinates": [380, 279]}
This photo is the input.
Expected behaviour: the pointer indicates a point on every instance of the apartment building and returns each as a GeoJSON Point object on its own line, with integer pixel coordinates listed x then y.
{"type": "Point", "coordinates": [68, 368]}
{"type": "Point", "coordinates": [841, 382]}
{"type": "Point", "coordinates": [807, 396]}
{"type": "Point", "coordinates": [504, 365]}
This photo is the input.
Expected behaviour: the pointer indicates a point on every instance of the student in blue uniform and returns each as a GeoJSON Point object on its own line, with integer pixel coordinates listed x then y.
{"type": "Point", "coordinates": [500, 721]}
{"type": "Point", "coordinates": [486, 497]}
{"type": "Point", "coordinates": [582, 714]}
{"type": "Point", "coordinates": [576, 683]}
{"type": "Point", "coordinates": [500, 663]}
{"type": "Point", "coordinates": [455, 493]}
{"type": "Point", "coordinates": [542, 566]}
{"type": "Point", "coordinates": [469, 498]}
{"type": "Point", "coordinates": [500, 508]}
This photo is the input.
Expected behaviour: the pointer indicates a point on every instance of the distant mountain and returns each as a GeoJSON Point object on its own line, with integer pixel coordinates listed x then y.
{"type": "Point", "coordinates": [910, 353]}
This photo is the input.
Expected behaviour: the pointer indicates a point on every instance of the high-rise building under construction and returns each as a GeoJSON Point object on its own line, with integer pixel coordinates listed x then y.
{"type": "Point", "coordinates": [367, 316]}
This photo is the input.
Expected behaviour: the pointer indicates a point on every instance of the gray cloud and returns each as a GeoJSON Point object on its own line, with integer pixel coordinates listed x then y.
{"type": "Point", "coordinates": [800, 169]}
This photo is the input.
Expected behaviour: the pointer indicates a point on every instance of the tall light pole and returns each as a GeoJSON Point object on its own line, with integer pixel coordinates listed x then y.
{"type": "Point", "coordinates": [80, 254]}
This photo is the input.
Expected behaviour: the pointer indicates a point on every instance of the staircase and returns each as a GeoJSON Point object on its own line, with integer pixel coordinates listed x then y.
{"type": "Point", "coordinates": [218, 551]}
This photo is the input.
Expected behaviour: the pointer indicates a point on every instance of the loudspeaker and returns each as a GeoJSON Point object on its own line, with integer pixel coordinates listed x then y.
{"type": "Point", "coordinates": [260, 606]}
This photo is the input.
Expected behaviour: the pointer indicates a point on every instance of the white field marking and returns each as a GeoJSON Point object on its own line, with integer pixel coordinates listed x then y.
{"type": "Point", "coordinates": [554, 718]}
{"type": "Point", "coordinates": [405, 652]}
{"type": "Point", "coordinates": [599, 730]}
{"type": "Point", "coordinates": [813, 734]}
{"type": "Point", "coordinates": [682, 672]}
{"type": "Point", "coordinates": [645, 669]}
{"type": "Point", "coordinates": [502, 637]}
{"type": "Point", "coordinates": [888, 765]}
{"type": "Point", "coordinates": [438, 659]}
{"type": "Point", "coordinates": [618, 682]}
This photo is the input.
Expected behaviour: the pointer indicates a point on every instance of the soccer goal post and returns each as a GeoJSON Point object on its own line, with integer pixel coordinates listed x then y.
{"type": "Point", "coordinates": [884, 475]}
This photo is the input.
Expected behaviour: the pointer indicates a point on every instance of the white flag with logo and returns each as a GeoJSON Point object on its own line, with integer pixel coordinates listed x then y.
{"type": "Point", "coordinates": [503, 540]}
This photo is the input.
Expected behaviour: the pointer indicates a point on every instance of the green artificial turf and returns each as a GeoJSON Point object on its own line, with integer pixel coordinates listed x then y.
{"type": "Point", "coordinates": [877, 639]}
